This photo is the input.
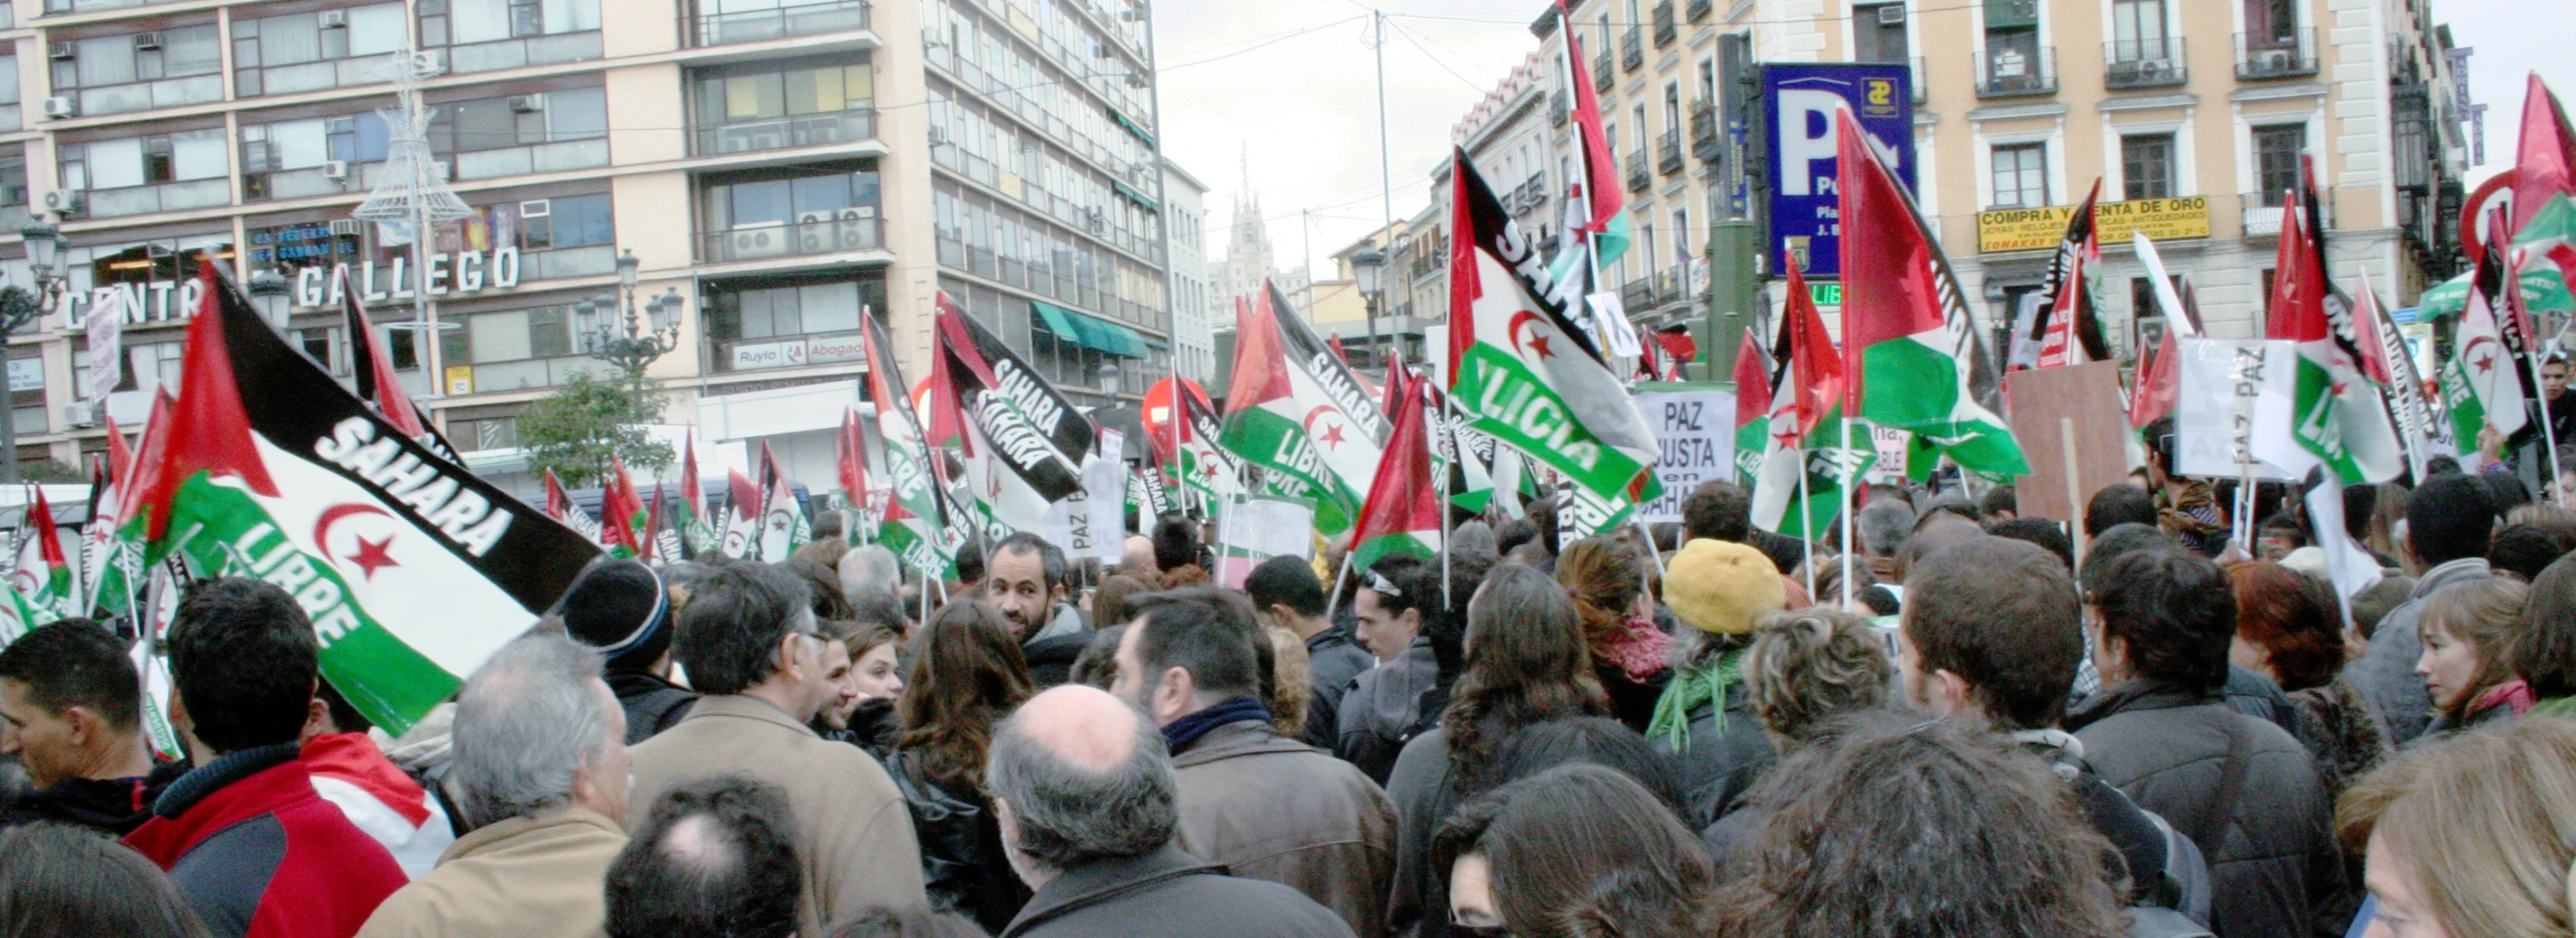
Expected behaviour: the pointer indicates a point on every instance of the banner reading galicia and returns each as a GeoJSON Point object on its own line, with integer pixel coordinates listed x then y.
{"type": "Point", "coordinates": [1798, 103]}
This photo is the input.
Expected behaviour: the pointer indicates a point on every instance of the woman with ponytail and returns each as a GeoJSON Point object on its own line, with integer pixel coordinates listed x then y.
{"type": "Point", "coordinates": [1606, 578]}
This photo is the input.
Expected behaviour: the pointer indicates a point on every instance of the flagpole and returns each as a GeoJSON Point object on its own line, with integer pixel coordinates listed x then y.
{"type": "Point", "coordinates": [1845, 487]}
{"type": "Point", "coordinates": [1333, 601]}
{"type": "Point", "coordinates": [1455, 454]}
{"type": "Point", "coordinates": [1806, 521]}
{"type": "Point", "coordinates": [2548, 433]}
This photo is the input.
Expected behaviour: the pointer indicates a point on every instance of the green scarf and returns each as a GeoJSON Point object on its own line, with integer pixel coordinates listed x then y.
{"type": "Point", "coordinates": [2561, 707]}
{"type": "Point", "coordinates": [1690, 688]}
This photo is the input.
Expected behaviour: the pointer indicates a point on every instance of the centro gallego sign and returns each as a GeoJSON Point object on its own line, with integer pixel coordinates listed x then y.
{"type": "Point", "coordinates": [315, 287]}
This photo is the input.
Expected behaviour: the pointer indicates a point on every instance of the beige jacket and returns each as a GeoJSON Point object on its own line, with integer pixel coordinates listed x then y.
{"type": "Point", "coordinates": [1269, 807]}
{"type": "Point", "coordinates": [852, 828]}
{"type": "Point", "coordinates": [527, 877]}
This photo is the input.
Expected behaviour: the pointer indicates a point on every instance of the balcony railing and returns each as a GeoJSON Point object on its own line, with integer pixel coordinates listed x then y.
{"type": "Point", "coordinates": [555, 49]}
{"type": "Point", "coordinates": [1632, 49]}
{"type": "Point", "coordinates": [1704, 133]}
{"type": "Point", "coordinates": [1921, 90]}
{"type": "Point", "coordinates": [148, 95]}
{"type": "Point", "coordinates": [2144, 63]}
{"type": "Point", "coordinates": [1638, 295]}
{"type": "Point", "coordinates": [1668, 284]}
{"type": "Point", "coordinates": [1638, 179]}
{"type": "Point", "coordinates": [2015, 71]}
{"type": "Point", "coordinates": [2263, 212]}
{"type": "Point", "coordinates": [1699, 9]}
{"type": "Point", "coordinates": [1558, 110]}
{"type": "Point", "coordinates": [2275, 55]}
{"type": "Point", "coordinates": [1665, 31]}
{"type": "Point", "coordinates": [825, 233]}
{"type": "Point", "coordinates": [811, 19]}
{"type": "Point", "coordinates": [1668, 152]}
{"type": "Point", "coordinates": [1602, 76]}
{"type": "Point", "coordinates": [785, 133]}
{"type": "Point", "coordinates": [160, 197]}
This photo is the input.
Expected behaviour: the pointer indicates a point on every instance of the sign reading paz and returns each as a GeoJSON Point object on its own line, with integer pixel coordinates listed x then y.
{"type": "Point", "coordinates": [1695, 424]}
{"type": "Point", "coordinates": [2037, 229]}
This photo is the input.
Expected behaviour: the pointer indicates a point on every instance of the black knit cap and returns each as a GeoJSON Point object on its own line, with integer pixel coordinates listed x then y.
{"type": "Point", "coordinates": [620, 608]}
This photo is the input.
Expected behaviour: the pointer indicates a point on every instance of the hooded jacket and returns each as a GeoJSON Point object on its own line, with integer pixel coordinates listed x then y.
{"type": "Point", "coordinates": [349, 771]}
{"type": "Point", "coordinates": [1383, 706]}
{"type": "Point", "coordinates": [259, 854]}
{"type": "Point", "coordinates": [2385, 675]}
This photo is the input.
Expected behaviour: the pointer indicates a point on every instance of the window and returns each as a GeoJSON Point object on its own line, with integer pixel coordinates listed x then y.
{"type": "Point", "coordinates": [793, 310]}
{"type": "Point", "coordinates": [125, 59]}
{"type": "Point", "coordinates": [2147, 166]}
{"type": "Point", "coordinates": [13, 182]}
{"type": "Point", "coordinates": [1681, 235]}
{"type": "Point", "coordinates": [520, 120]}
{"type": "Point", "coordinates": [2276, 160]}
{"type": "Point", "coordinates": [2021, 176]}
{"type": "Point", "coordinates": [2138, 30]}
{"type": "Point", "coordinates": [1672, 106]}
{"type": "Point", "coordinates": [1878, 33]}
{"type": "Point", "coordinates": [117, 164]}
{"type": "Point", "coordinates": [260, 45]}
{"type": "Point", "coordinates": [2271, 22]}
{"type": "Point", "coordinates": [1637, 125]}
{"type": "Point", "coordinates": [567, 221]}
{"type": "Point", "coordinates": [1708, 80]}
{"type": "Point", "coordinates": [769, 198]}
{"type": "Point", "coordinates": [461, 22]}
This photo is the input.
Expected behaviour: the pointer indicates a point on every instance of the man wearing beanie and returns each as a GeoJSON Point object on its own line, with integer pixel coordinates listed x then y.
{"type": "Point", "coordinates": [2449, 523]}
{"type": "Point", "coordinates": [1723, 591]}
{"type": "Point", "coordinates": [620, 608]}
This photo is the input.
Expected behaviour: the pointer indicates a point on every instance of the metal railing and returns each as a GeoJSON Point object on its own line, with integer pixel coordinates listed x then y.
{"type": "Point", "coordinates": [784, 133]}
{"type": "Point", "coordinates": [2144, 63]}
{"type": "Point", "coordinates": [1704, 133]}
{"type": "Point", "coordinates": [1559, 109]}
{"type": "Point", "coordinates": [1699, 9]}
{"type": "Point", "coordinates": [1668, 152]}
{"type": "Point", "coordinates": [715, 29]}
{"type": "Point", "coordinates": [1638, 295]}
{"type": "Point", "coordinates": [1632, 48]}
{"type": "Point", "coordinates": [2014, 71]}
{"type": "Point", "coordinates": [2276, 55]}
{"type": "Point", "coordinates": [846, 230]}
{"type": "Point", "coordinates": [1638, 179]}
{"type": "Point", "coordinates": [1665, 30]}
{"type": "Point", "coordinates": [1602, 76]}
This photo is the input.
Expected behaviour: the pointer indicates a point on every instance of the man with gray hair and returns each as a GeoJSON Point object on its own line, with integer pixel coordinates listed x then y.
{"type": "Point", "coordinates": [870, 569]}
{"type": "Point", "coordinates": [540, 769]}
{"type": "Point", "coordinates": [1088, 808]}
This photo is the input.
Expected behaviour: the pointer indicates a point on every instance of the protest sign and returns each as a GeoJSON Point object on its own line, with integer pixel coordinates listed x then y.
{"type": "Point", "coordinates": [1254, 528]}
{"type": "Point", "coordinates": [2233, 408]}
{"type": "Point", "coordinates": [1695, 423]}
{"type": "Point", "coordinates": [2057, 411]}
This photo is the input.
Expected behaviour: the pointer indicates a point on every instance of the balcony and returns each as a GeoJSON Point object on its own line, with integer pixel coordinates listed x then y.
{"type": "Point", "coordinates": [1704, 138]}
{"type": "Point", "coordinates": [162, 197]}
{"type": "Point", "coordinates": [1602, 76]}
{"type": "Point", "coordinates": [820, 233]}
{"type": "Point", "coordinates": [1665, 32]}
{"type": "Point", "coordinates": [499, 54]}
{"type": "Point", "coordinates": [1632, 49]}
{"type": "Point", "coordinates": [785, 133]}
{"type": "Point", "coordinates": [2144, 63]}
{"type": "Point", "coordinates": [1638, 178]}
{"type": "Point", "coordinates": [2263, 213]}
{"type": "Point", "coordinates": [1668, 152]}
{"type": "Point", "coordinates": [2282, 54]}
{"type": "Point", "coordinates": [1699, 9]}
{"type": "Point", "coordinates": [2016, 71]}
{"type": "Point", "coordinates": [1920, 90]}
{"type": "Point", "coordinates": [716, 29]}
{"type": "Point", "coordinates": [1638, 295]}
{"type": "Point", "coordinates": [1668, 285]}
{"type": "Point", "coordinates": [1558, 110]}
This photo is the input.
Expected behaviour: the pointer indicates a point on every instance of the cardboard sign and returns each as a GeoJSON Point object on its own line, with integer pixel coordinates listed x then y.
{"type": "Point", "coordinates": [1254, 528]}
{"type": "Point", "coordinates": [1696, 425]}
{"type": "Point", "coordinates": [2049, 403]}
{"type": "Point", "coordinates": [2233, 407]}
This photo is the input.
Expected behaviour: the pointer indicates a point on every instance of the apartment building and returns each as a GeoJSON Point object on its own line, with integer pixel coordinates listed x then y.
{"type": "Point", "coordinates": [773, 166]}
{"type": "Point", "coordinates": [2193, 113]}
{"type": "Point", "coordinates": [1195, 308]}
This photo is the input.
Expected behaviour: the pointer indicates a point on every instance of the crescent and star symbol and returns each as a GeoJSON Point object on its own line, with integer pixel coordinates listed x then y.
{"type": "Point", "coordinates": [370, 555]}
{"type": "Point", "coordinates": [2483, 358]}
{"type": "Point", "coordinates": [1332, 432]}
{"type": "Point", "coordinates": [1536, 341]}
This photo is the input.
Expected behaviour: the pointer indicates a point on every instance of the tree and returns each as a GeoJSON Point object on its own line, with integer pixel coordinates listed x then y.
{"type": "Point", "coordinates": [586, 421]}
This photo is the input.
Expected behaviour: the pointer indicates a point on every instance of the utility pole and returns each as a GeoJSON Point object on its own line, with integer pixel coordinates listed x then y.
{"type": "Point", "coordinates": [1386, 178]}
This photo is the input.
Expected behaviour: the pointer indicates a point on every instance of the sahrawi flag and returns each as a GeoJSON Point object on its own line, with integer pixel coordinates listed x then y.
{"type": "Point", "coordinates": [1521, 368]}
{"type": "Point", "coordinates": [783, 527]}
{"type": "Point", "coordinates": [2068, 326]}
{"type": "Point", "coordinates": [43, 578]}
{"type": "Point", "coordinates": [1023, 441]}
{"type": "Point", "coordinates": [694, 530]}
{"type": "Point", "coordinates": [2336, 413]}
{"type": "Point", "coordinates": [2482, 384]}
{"type": "Point", "coordinates": [740, 538]}
{"type": "Point", "coordinates": [560, 507]}
{"type": "Point", "coordinates": [1752, 409]}
{"type": "Point", "coordinates": [1403, 510]}
{"type": "Point", "coordinates": [117, 577]}
{"type": "Point", "coordinates": [412, 569]}
{"type": "Point", "coordinates": [1204, 465]}
{"type": "Point", "coordinates": [1913, 352]}
{"type": "Point", "coordinates": [1805, 464]}
{"type": "Point", "coordinates": [915, 523]}
{"type": "Point", "coordinates": [1298, 411]}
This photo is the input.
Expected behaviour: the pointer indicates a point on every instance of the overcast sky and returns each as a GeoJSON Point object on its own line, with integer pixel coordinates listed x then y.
{"type": "Point", "coordinates": [1293, 88]}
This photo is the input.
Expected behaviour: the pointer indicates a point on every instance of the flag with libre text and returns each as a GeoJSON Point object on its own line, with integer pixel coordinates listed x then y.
{"type": "Point", "coordinates": [1295, 409]}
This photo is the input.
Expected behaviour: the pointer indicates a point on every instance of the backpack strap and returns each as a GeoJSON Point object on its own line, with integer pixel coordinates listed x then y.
{"type": "Point", "coordinates": [2231, 784]}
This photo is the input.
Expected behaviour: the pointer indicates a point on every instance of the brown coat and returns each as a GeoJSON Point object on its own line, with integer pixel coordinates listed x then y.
{"type": "Point", "coordinates": [1269, 807]}
{"type": "Point", "coordinates": [853, 831]}
{"type": "Point", "coordinates": [531, 877]}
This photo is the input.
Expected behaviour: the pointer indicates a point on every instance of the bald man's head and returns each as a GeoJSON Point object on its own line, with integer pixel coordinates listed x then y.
{"type": "Point", "coordinates": [1084, 777]}
{"type": "Point", "coordinates": [1137, 555]}
{"type": "Point", "coordinates": [715, 856]}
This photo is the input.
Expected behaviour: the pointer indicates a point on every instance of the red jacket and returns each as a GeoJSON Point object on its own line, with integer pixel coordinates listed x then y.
{"type": "Point", "coordinates": [260, 855]}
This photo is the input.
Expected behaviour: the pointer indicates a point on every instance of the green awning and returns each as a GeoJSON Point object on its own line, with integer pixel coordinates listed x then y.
{"type": "Point", "coordinates": [1138, 197]}
{"type": "Point", "coordinates": [1123, 120]}
{"type": "Point", "coordinates": [1090, 331]}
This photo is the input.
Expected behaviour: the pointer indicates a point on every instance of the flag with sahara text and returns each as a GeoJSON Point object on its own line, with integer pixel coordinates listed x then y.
{"type": "Point", "coordinates": [1295, 409]}
{"type": "Point", "coordinates": [412, 569]}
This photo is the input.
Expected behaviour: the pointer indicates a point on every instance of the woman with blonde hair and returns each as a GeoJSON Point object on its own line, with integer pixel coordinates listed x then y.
{"type": "Point", "coordinates": [2470, 837]}
{"type": "Point", "coordinates": [2466, 629]}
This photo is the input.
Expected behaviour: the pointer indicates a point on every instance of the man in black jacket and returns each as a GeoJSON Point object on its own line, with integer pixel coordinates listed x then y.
{"type": "Point", "coordinates": [1088, 809]}
{"type": "Point", "coordinates": [2242, 788]}
{"type": "Point", "coordinates": [622, 608]}
{"type": "Point", "coordinates": [1287, 593]}
{"type": "Point", "coordinates": [1993, 627]}
{"type": "Point", "coordinates": [71, 711]}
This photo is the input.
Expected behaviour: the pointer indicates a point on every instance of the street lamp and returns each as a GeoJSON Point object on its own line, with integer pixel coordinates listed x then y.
{"type": "Point", "coordinates": [20, 306]}
{"type": "Point", "coordinates": [641, 341]}
{"type": "Point", "coordinates": [268, 291]}
{"type": "Point", "coordinates": [1368, 267]}
{"type": "Point", "coordinates": [1109, 379]}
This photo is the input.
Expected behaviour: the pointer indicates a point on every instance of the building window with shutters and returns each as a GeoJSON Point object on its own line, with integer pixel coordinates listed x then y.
{"type": "Point", "coordinates": [2147, 166]}
{"type": "Point", "coordinates": [2276, 160]}
{"type": "Point", "coordinates": [2021, 176]}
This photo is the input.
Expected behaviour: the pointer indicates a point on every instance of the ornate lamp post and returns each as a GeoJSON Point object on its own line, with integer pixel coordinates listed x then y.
{"type": "Point", "coordinates": [1368, 265]}
{"type": "Point", "coordinates": [19, 306]}
{"type": "Point", "coordinates": [269, 291]}
{"type": "Point", "coordinates": [641, 341]}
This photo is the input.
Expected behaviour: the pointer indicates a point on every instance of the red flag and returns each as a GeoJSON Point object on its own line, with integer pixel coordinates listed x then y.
{"type": "Point", "coordinates": [558, 505]}
{"type": "Point", "coordinates": [2159, 383]}
{"type": "Point", "coordinates": [1818, 370]}
{"type": "Point", "coordinates": [1600, 179]}
{"type": "Point", "coordinates": [1752, 384]}
{"type": "Point", "coordinates": [745, 495]}
{"type": "Point", "coordinates": [619, 503]}
{"type": "Point", "coordinates": [120, 459]}
{"type": "Point", "coordinates": [2372, 342]}
{"type": "Point", "coordinates": [2058, 347]}
{"type": "Point", "coordinates": [2298, 301]}
{"type": "Point", "coordinates": [208, 431]}
{"type": "Point", "coordinates": [1403, 508]}
{"type": "Point", "coordinates": [946, 423]}
{"type": "Point", "coordinates": [49, 541]}
{"type": "Point", "coordinates": [1678, 344]}
{"type": "Point", "coordinates": [2545, 159]}
{"type": "Point", "coordinates": [653, 527]}
{"type": "Point", "coordinates": [375, 371]}
{"type": "Point", "coordinates": [853, 457]}
{"type": "Point", "coordinates": [1338, 351]}
{"type": "Point", "coordinates": [690, 496]}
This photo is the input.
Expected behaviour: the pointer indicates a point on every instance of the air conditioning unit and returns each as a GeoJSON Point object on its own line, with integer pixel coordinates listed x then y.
{"type": "Point", "coordinates": [147, 40]}
{"type": "Point", "coordinates": [336, 170]}
{"type": "Point", "coordinates": [62, 50]}
{"type": "Point", "coordinates": [814, 233]}
{"type": "Point", "coordinates": [65, 202]}
{"type": "Point", "coordinates": [443, 171]}
{"type": "Point", "coordinates": [61, 107]}
{"type": "Point", "coordinates": [938, 135]}
{"type": "Point", "coordinates": [335, 19]}
{"type": "Point", "coordinates": [527, 104]}
{"type": "Point", "coordinates": [743, 244]}
{"type": "Point", "coordinates": [751, 137]}
{"type": "Point", "coordinates": [77, 416]}
{"type": "Point", "coordinates": [1891, 15]}
{"type": "Point", "coordinates": [2272, 60]}
{"type": "Point", "coordinates": [537, 208]}
{"type": "Point", "coordinates": [344, 226]}
{"type": "Point", "coordinates": [431, 62]}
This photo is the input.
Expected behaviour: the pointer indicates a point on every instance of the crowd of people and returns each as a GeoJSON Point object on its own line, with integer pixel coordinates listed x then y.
{"type": "Point", "coordinates": [2131, 723]}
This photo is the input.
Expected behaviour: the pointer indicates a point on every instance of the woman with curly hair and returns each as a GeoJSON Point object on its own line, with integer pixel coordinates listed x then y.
{"type": "Point", "coordinates": [2286, 629]}
{"type": "Point", "coordinates": [1606, 576]}
{"type": "Point", "coordinates": [1524, 664]}
{"type": "Point", "coordinates": [967, 674]}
